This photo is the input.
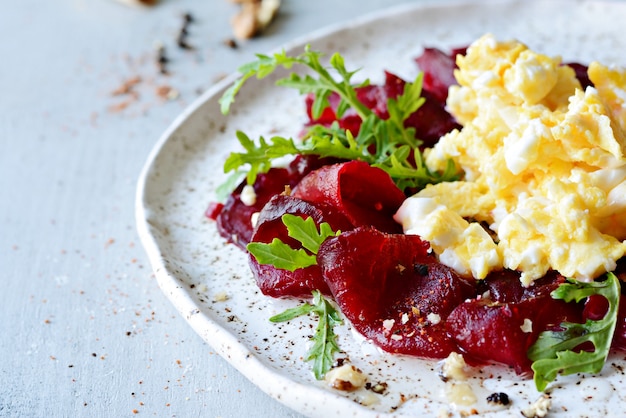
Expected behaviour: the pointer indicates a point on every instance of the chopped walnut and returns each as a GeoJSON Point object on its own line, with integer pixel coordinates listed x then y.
{"type": "Point", "coordinates": [253, 17]}
{"type": "Point", "coordinates": [345, 377]}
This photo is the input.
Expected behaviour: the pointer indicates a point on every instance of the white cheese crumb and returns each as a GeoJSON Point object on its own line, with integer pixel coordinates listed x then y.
{"type": "Point", "coordinates": [388, 324]}
{"type": "Point", "coordinates": [527, 326]}
{"type": "Point", "coordinates": [405, 318]}
{"type": "Point", "coordinates": [457, 390]}
{"type": "Point", "coordinates": [443, 413]}
{"type": "Point", "coordinates": [453, 368]}
{"type": "Point", "coordinates": [248, 195]}
{"type": "Point", "coordinates": [254, 219]}
{"type": "Point", "coordinates": [220, 297]}
{"type": "Point", "coordinates": [539, 408]}
{"type": "Point", "coordinates": [396, 337]}
{"type": "Point", "coordinates": [368, 399]}
{"type": "Point", "coordinates": [460, 393]}
{"type": "Point", "coordinates": [345, 377]}
{"type": "Point", "coordinates": [434, 318]}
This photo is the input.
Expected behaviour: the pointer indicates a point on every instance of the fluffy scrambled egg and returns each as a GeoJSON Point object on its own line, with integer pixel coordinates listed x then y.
{"type": "Point", "coordinates": [543, 167]}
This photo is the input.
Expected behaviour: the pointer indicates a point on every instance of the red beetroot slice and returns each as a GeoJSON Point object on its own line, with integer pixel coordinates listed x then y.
{"type": "Point", "coordinates": [283, 283]}
{"type": "Point", "coordinates": [393, 290]}
{"type": "Point", "coordinates": [490, 331]}
{"type": "Point", "coordinates": [438, 68]}
{"type": "Point", "coordinates": [365, 195]}
{"type": "Point", "coordinates": [619, 339]}
{"type": "Point", "coordinates": [234, 217]}
{"type": "Point", "coordinates": [505, 286]}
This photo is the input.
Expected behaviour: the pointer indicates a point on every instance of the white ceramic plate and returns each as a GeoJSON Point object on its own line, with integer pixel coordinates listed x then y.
{"type": "Point", "coordinates": [195, 268]}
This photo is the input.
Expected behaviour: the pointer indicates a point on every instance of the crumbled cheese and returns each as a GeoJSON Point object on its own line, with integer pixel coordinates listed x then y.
{"type": "Point", "coordinates": [396, 337]}
{"type": "Point", "coordinates": [527, 326]}
{"type": "Point", "coordinates": [452, 371]}
{"type": "Point", "coordinates": [388, 324]}
{"type": "Point", "coordinates": [444, 413]}
{"type": "Point", "coordinates": [434, 318]}
{"type": "Point", "coordinates": [460, 393]}
{"type": "Point", "coordinates": [345, 377]}
{"type": "Point", "coordinates": [368, 399]}
{"type": "Point", "coordinates": [220, 297]}
{"type": "Point", "coordinates": [405, 318]}
{"type": "Point", "coordinates": [453, 368]}
{"type": "Point", "coordinates": [254, 219]}
{"type": "Point", "coordinates": [248, 195]}
{"type": "Point", "coordinates": [539, 408]}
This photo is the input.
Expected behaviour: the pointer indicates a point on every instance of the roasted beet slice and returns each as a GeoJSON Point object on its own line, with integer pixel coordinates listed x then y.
{"type": "Point", "coordinates": [234, 220]}
{"type": "Point", "coordinates": [438, 68]}
{"type": "Point", "coordinates": [490, 331]}
{"type": "Point", "coordinates": [431, 121]}
{"type": "Point", "coordinates": [234, 217]}
{"type": "Point", "coordinates": [365, 195]}
{"type": "Point", "coordinates": [505, 286]}
{"type": "Point", "coordinates": [581, 74]}
{"type": "Point", "coordinates": [283, 283]}
{"type": "Point", "coordinates": [619, 339]}
{"type": "Point", "coordinates": [393, 290]}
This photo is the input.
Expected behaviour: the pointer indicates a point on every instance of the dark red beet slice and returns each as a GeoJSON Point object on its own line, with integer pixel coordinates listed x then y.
{"type": "Point", "coordinates": [365, 195]}
{"type": "Point", "coordinates": [619, 339]}
{"type": "Point", "coordinates": [491, 331]}
{"type": "Point", "coordinates": [234, 220]}
{"type": "Point", "coordinates": [581, 74]}
{"type": "Point", "coordinates": [431, 121]}
{"type": "Point", "coordinates": [283, 283]}
{"type": "Point", "coordinates": [214, 210]}
{"type": "Point", "coordinates": [233, 217]}
{"type": "Point", "coordinates": [438, 68]}
{"type": "Point", "coordinates": [505, 286]}
{"type": "Point", "coordinates": [393, 290]}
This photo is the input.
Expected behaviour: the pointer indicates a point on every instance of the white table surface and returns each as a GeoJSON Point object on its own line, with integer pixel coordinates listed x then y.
{"type": "Point", "coordinates": [85, 330]}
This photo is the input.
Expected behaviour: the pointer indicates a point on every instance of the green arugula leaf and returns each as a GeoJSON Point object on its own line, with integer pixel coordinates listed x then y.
{"type": "Point", "coordinates": [552, 352]}
{"type": "Point", "coordinates": [305, 231]}
{"type": "Point", "coordinates": [282, 256]}
{"type": "Point", "coordinates": [261, 68]}
{"type": "Point", "coordinates": [324, 340]}
{"type": "Point", "coordinates": [401, 108]}
{"type": "Point", "coordinates": [258, 156]}
{"type": "Point", "coordinates": [379, 142]}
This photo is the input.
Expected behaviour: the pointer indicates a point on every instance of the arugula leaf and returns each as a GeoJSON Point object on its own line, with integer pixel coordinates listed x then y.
{"type": "Point", "coordinates": [282, 256]}
{"type": "Point", "coordinates": [552, 352]}
{"type": "Point", "coordinates": [265, 65]}
{"type": "Point", "coordinates": [386, 144]}
{"type": "Point", "coordinates": [324, 340]}
{"type": "Point", "coordinates": [305, 231]}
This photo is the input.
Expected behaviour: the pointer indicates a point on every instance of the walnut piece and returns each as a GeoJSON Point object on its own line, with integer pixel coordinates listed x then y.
{"type": "Point", "coordinates": [253, 17]}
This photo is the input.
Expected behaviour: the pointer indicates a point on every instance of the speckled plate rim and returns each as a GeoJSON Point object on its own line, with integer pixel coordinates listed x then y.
{"type": "Point", "coordinates": [226, 343]}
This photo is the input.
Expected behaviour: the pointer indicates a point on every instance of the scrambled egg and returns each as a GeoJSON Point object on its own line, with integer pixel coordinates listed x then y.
{"type": "Point", "coordinates": [543, 167]}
